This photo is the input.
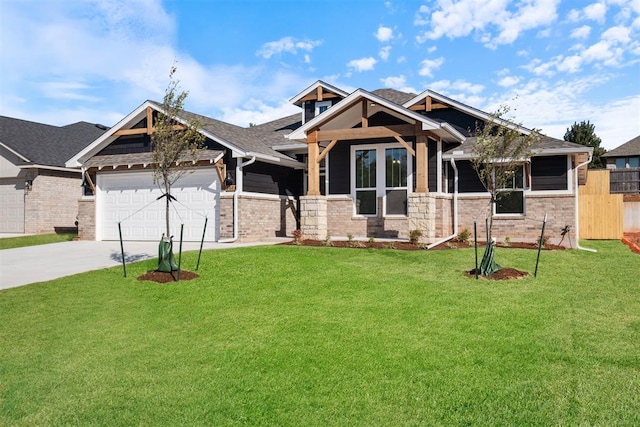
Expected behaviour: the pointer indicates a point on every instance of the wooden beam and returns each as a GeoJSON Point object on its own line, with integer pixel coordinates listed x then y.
{"type": "Point", "coordinates": [141, 131]}
{"type": "Point", "coordinates": [91, 184]}
{"type": "Point", "coordinates": [326, 150]}
{"type": "Point", "coordinates": [136, 131]}
{"type": "Point", "coordinates": [319, 93]}
{"type": "Point", "coordinates": [417, 107]}
{"type": "Point", "coordinates": [221, 170]}
{"type": "Point", "coordinates": [366, 133]}
{"type": "Point", "coordinates": [314, 96]}
{"type": "Point", "coordinates": [313, 166]}
{"type": "Point", "coordinates": [149, 120]}
{"type": "Point", "coordinates": [422, 165]}
{"type": "Point", "coordinates": [365, 113]}
{"type": "Point", "coordinates": [405, 145]}
{"type": "Point", "coordinates": [428, 103]}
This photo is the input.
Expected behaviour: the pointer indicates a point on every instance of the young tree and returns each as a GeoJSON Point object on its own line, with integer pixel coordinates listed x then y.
{"type": "Point", "coordinates": [585, 133]}
{"type": "Point", "coordinates": [500, 152]}
{"type": "Point", "coordinates": [175, 143]}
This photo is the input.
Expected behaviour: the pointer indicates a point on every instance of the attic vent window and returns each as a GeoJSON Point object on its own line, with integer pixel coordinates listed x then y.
{"type": "Point", "coordinates": [322, 106]}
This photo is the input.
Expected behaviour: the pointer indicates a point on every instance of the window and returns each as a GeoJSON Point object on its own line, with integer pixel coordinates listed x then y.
{"type": "Point", "coordinates": [634, 162]}
{"type": "Point", "coordinates": [510, 198]}
{"type": "Point", "coordinates": [396, 181]}
{"type": "Point", "coordinates": [366, 182]}
{"type": "Point", "coordinates": [322, 106]}
{"type": "Point", "coordinates": [390, 183]}
{"type": "Point", "coordinates": [621, 163]}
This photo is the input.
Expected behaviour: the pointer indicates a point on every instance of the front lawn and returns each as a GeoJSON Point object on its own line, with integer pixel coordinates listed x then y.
{"type": "Point", "coordinates": [36, 239]}
{"type": "Point", "coordinates": [290, 335]}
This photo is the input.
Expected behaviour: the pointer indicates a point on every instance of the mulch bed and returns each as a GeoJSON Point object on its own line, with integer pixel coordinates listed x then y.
{"type": "Point", "coordinates": [164, 277]}
{"type": "Point", "coordinates": [633, 241]}
{"type": "Point", "coordinates": [408, 246]}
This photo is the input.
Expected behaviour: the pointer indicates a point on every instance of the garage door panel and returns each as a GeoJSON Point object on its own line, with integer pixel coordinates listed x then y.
{"type": "Point", "coordinates": [11, 207]}
{"type": "Point", "coordinates": [132, 200]}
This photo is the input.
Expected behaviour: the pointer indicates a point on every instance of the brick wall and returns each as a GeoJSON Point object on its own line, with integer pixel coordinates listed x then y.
{"type": "Point", "coordinates": [87, 219]}
{"type": "Point", "coordinates": [341, 222]}
{"type": "Point", "coordinates": [52, 202]}
{"type": "Point", "coordinates": [226, 215]}
{"type": "Point", "coordinates": [560, 210]}
{"type": "Point", "coordinates": [263, 217]}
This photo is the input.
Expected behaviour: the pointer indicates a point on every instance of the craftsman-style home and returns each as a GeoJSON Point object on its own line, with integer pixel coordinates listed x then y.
{"type": "Point", "coordinates": [381, 164]}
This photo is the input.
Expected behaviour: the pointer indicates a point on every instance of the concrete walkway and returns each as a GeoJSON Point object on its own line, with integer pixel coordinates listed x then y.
{"type": "Point", "coordinates": [32, 264]}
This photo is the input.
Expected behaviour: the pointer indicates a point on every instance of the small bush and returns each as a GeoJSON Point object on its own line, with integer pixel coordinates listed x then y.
{"type": "Point", "coordinates": [414, 236]}
{"type": "Point", "coordinates": [507, 241]}
{"type": "Point", "coordinates": [297, 236]}
{"type": "Point", "coordinates": [372, 240]}
{"type": "Point", "coordinates": [350, 237]}
{"type": "Point", "coordinates": [463, 236]}
{"type": "Point", "coordinates": [327, 240]}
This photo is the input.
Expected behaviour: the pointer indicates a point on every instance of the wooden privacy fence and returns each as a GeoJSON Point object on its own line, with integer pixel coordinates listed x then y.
{"type": "Point", "coordinates": [625, 180]}
{"type": "Point", "coordinates": [600, 214]}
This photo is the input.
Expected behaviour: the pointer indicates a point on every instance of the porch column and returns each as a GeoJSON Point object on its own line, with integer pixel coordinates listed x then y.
{"type": "Point", "coordinates": [422, 165]}
{"type": "Point", "coordinates": [313, 151]}
{"type": "Point", "coordinates": [313, 217]}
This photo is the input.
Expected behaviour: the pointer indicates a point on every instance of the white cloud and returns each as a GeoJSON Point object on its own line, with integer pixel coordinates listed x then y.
{"type": "Point", "coordinates": [399, 83]}
{"type": "Point", "coordinates": [362, 64]}
{"type": "Point", "coordinates": [498, 21]}
{"type": "Point", "coordinates": [595, 12]}
{"type": "Point", "coordinates": [460, 90]}
{"type": "Point", "coordinates": [581, 32]}
{"type": "Point", "coordinates": [508, 81]}
{"type": "Point", "coordinates": [428, 66]}
{"type": "Point", "coordinates": [384, 34]}
{"type": "Point", "coordinates": [257, 112]}
{"type": "Point", "coordinates": [384, 52]}
{"type": "Point", "coordinates": [287, 45]}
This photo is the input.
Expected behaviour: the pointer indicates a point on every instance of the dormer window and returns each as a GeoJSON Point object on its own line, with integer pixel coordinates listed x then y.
{"type": "Point", "coordinates": [322, 106]}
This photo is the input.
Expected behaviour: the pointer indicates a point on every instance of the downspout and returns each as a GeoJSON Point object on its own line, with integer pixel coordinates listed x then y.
{"type": "Point", "coordinates": [455, 208]}
{"type": "Point", "coordinates": [235, 200]}
{"type": "Point", "coordinates": [577, 220]}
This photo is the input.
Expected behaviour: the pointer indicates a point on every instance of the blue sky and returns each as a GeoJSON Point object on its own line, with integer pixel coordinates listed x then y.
{"type": "Point", "coordinates": [553, 61]}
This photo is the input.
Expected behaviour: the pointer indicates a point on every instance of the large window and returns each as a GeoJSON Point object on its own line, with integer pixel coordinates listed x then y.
{"type": "Point", "coordinates": [366, 182]}
{"type": "Point", "coordinates": [389, 181]}
{"type": "Point", "coordinates": [510, 197]}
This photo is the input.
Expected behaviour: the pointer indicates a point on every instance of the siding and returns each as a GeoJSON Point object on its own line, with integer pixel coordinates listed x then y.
{"type": "Point", "coordinates": [272, 179]}
{"type": "Point", "coordinates": [549, 173]}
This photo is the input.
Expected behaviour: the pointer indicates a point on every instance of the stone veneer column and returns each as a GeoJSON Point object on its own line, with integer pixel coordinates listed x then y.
{"type": "Point", "coordinates": [421, 208]}
{"type": "Point", "coordinates": [313, 217]}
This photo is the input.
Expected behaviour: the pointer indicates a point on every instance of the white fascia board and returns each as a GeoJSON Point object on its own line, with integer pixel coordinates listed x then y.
{"type": "Point", "coordinates": [51, 168]}
{"type": "Point", "coordinates": [465, 108]}
{"type": "Point", "coordinates": [290, 147]}
{"type": "Point", "coordinates": [314, 86]}
{"type": "Point", "coordinates": [14, 152]}
{"type": "Point", "coordinates": [457, 136]}
{"type": "Point", "coordinates": [276, 160]}
{"type": "Point", "coordinates": [301, 132]}
{"type": "Point", "coordinates": [106, 138]}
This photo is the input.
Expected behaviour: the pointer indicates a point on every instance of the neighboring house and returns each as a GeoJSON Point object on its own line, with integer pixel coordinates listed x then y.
{"type": "Point", "coordinates": [623, 163]}
{"type": "Point", "coordinates": [379, 164]}
{"type": "Point", "coordinates": [626, 155]}
{"type": "Point", "coordinates": [38, 193]}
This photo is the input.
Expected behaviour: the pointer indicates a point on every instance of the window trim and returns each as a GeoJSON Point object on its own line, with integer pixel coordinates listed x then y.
{"type": "Point", "coordinates": [320, 104]}
{"type": "Point", "coordinates": [514, 188]}
{"type": "Point", "coordinates": [381, 188]}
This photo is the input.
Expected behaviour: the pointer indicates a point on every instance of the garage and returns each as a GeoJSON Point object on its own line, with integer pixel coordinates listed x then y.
{"type": "Point", "coordinates": [131, 199]}
{"type": "Point", "coordinates": [11, 207]}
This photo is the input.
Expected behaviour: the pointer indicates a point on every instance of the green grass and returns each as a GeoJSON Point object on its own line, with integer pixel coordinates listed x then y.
{"type": "Point", "coordinates": [291, 335]}
{"type": "Point", "coordinates": [37, 239]}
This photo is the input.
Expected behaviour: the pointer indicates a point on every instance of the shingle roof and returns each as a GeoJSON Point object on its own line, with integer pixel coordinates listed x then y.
{"type": "Point", "coordinates": [44, 144]}
{"type": "Point", "coordinates": [394, 96]}
{"type": "Point", "coordinates": [466, 149]}
{"type": "Point", "coordinates": [629, 148]}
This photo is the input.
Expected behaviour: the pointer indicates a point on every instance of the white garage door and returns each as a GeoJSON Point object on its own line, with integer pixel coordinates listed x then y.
{"type": "Point", "coordinates": [11, 207]}
{"type": "Point", "coordinates": [130, 198]}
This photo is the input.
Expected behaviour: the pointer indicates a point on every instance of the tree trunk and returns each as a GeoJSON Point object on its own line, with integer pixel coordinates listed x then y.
{"type": "Point", "coordinates": [167, 189]}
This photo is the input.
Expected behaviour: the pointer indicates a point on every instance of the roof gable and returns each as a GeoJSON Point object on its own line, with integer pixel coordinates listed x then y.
{"type": "Point", "coordinates": [318, 91]}
{"type": "Point", "coordinates": [429, 101]}
{"type": "Point", "coordinates": [347, 114]}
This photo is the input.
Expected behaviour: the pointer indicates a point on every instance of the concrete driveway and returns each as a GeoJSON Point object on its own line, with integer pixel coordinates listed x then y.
{"type": "Point", "coordinates": [32, 264]}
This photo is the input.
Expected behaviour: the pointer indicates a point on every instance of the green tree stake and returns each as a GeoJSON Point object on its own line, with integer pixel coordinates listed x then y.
{"type": "Point", "coordinates": [202, 242]}
{"type": "Point", "coordinates": [180, 251]}
{"type": "Point", "coordinates": [544, 222]}
{"type": "Point", "coordinates": [124, 266]}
